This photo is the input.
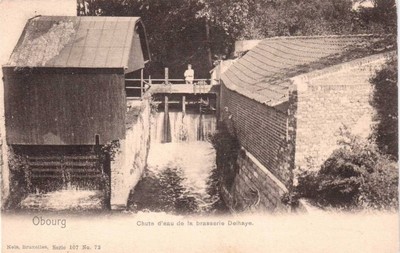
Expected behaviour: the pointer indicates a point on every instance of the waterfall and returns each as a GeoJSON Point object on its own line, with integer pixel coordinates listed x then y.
{"type": "Point", "coordinates": [182, 127]}
{"type": "Point", "coordinates": [181, 165]}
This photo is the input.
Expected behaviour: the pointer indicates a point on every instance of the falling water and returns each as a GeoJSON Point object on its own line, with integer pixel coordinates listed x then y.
{"type": "Point", "coordinates": [65, 199]}
{"type": "Point", "coordinates": [182, 127]}
{"type": "Point", "coordinates": [178, 175]}
{"type": "Point", "coordinates": [62, 191]}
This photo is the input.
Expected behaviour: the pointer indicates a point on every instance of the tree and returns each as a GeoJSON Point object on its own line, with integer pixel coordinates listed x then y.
{"type": "Point", "coordinates": [194, 31]}
{"type": "Point", "coordinates": [227, 21]}
{"type": "Point", "coordinates": [256, 19]}
{"type": "Point", "coordinates": [381, 17]}
{"type": "Point", "coordinates": [385, 101]}
{"type": "Point", "coordinates": [316, 17]}
{"type": "Point", "coordinates": [176, 36]}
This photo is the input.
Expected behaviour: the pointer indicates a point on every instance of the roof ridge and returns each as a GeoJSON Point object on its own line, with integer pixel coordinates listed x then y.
{"type": "Point", "coordinates": [72, 16]}
{"type": "Point", "coordinates": [281, 58]}
{"type": "Point", "coordinates": [78, 41]}
{"type": "Point", "coordinates": [327, 36]}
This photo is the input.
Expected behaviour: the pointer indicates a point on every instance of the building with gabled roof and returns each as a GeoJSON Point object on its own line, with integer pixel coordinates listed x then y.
{"type": "Point", "coordinates": [82, 42]}
{"type": "Point", "coordinates": [66, 106]}
{"type": "Point", "coordinates": [286, 100]}
{"type": "Point", "coordinates": [65, 80]}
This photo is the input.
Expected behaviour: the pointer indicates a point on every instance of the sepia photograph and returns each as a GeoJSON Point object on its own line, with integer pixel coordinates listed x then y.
{"type": "Point", "coordinates": [175, 126]}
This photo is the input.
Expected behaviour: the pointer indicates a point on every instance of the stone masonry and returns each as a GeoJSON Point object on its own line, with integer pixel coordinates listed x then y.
{"type": "Point", "coordinates": [130, 160]}
{"type": "Point", "coordinates": [255, 188]}
{"type": "Point", "coordinates": [328, 100]}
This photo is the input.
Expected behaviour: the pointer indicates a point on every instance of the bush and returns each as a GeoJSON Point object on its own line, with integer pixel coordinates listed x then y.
{"type": "Point", "coordinates": [227, 149]}
{"type": "Point", "coordinates": [385, 102]}
{"type": "Point", "coordinates": [355, 176]}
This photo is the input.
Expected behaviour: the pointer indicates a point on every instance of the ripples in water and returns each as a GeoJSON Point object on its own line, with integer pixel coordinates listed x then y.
{"type": "Point", "coordinates": [179, 179]}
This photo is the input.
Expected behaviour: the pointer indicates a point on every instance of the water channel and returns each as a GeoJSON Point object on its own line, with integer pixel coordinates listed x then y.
{"type": "Point", "coordinates": [180, 177]}
{"type": "Point", "coordinates": [180, 174]}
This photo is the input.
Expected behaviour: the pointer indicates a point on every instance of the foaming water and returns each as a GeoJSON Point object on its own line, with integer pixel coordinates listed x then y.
{"type": "Point", "coordinates": [179, 174]}
{"type": "Point", "coordinates": [195, 160]}
{"type": "Point", "coordinates": [65, 199]}
{"type": "Point", "coordinates": [178, 180]}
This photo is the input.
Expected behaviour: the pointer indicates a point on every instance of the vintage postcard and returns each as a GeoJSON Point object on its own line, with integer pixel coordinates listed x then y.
{"type": "Point", "coordinates": [199, 126]}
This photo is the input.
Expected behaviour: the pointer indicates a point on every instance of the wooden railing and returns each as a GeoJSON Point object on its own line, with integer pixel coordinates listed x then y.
{"type": "Point", "coordinates": [144, 84]}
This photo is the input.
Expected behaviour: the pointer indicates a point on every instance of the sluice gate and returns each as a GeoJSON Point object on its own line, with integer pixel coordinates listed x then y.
{"type": "Point", "coordinates": [184, 117]}
{"type": "Point", "coordinates": [64, 168]}
{"type": "Point", "coordinates": [47, 169]}
{"type": "Point", "coordinates": [180, 175]}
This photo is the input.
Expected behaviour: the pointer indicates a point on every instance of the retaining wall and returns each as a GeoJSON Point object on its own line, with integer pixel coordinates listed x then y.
{"type": "Point", "coordinates": [328, 100]}
{"type": "Point", "coordinates": [130, 159]}
{"type": "Point", "coordinates": [255, 188]}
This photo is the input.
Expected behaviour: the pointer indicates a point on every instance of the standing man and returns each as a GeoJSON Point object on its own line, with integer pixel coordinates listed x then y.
{"type": "Point", "coordinates": [189, 75]}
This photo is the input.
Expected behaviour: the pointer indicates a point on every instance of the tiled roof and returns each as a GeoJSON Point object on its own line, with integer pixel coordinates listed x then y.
{"type": "Point", "coordinates": [263, 73]}
{"type": "Point", "coordinates": [83, 42]}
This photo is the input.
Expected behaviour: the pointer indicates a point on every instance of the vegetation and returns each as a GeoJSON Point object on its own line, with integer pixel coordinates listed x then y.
{"type": "Point", "coordinates": [362, 173]}
{"type": "Point", "coordinates": [19, 185]}
{"type": "Point", "coordinates": [175, 35]}
{"type": "Point", "coordinates": [227, 149]}
{"type": "Point", "coordinates": [355, 176]}
{"type": "Point", "coordinates": [385, 101]}
{"type": "Point", "coordinates": [163, 192]}
{"type": "Point", "coordinates": [201, 31]}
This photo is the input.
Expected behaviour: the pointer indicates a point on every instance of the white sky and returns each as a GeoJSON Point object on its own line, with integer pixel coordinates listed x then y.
{"type": "Point", "coordinates": [367, 3]}
{"type": "Point", "coordinates": [15, 13]}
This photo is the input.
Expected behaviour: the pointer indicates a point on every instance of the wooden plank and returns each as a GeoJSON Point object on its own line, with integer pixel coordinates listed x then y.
{"type": "Point", "coordinates": [46, 108]}
{"type": "Point", "coordinates": [184, 88]}
{"type": "Point", "coordinates": [57, 158]}
{"type": "Point", "coordinates": [167, 132]}
{"type": "Point", "coordinates": [141, 83]}
{"type": "Point", "coordinates": [71, 176]}
{"type": "Point", "coordinates": [166, 73]}
{"type": "Point", "coordinates": [163, 80]}
{"type": "Point", "coordinates": [183, 104]}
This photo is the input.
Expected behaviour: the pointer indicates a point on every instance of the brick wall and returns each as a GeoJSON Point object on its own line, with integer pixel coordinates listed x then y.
{"type": "Point", "coordinates": [261, 130]}
{"type": "Point", "coordinates": [329, 99]}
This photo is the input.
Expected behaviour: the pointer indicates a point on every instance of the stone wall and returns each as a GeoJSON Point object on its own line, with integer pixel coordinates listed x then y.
{"type": "Point", "coordinates": [328, 100]}
{"type": "Point", "coordinates": [130, 159]}
{"type": "Point", "coordinates": [5, 176]}
{"type": "Point", "coordinates": [261, 130]}
{"type": "Point", "coordinates": [255, 188]}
